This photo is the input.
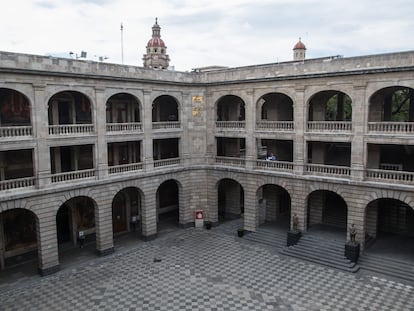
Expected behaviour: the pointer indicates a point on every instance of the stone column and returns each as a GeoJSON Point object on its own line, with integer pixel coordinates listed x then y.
{"type": "Point", "coordinates": [101, 149]}
{"type": "Point", "coordinates": [147, 127]}
{"type": "Point", "coordinates": [40, 124]}
{"type": "Point", "coordinates": [149, 214]}
{"type": "Point", "coordinates": [251, 208]}
{"type": "Point", "coordinates": [299, 121]}
{"type": "Point", "coordinates": [103, 225]}
{"type": "Point", "coordinates": [250, 117]}
{"type": "Point", "coordinates": [359, 125]}
{"type": "Point", "coordinates": [47, 243]}
{"type": "Point", "coordinates": [184, 145]}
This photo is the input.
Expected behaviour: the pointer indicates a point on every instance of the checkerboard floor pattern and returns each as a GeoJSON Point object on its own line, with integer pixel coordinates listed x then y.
{"type": "Point", "coordinates": [204, 270]}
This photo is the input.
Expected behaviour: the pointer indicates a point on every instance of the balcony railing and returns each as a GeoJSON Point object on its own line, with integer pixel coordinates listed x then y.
{"type": "Point", "coordinates": [124, 127]}
{"type": "Point", "coordinates": [116, 169]}
{"type": "Point", "coordinates": [274, 125]}
{"type": "Point", "coordinates": [328, 170]}
{"type": "Point", "coordinates": [71, 129]}
{"type": "Point", "coordinates": [329, 126]}
{"type": "Point", "coordinates": [17, 183]}
{"type": "Point", "coordinates": [391, 127]}
{"type": "Point", "coordinates": [389, 176]}
{"type": "Point", "coordinates": [231, 161]}
{"type": "Point", "coordinates": [15, 131]}
{"type": "Point", "coordinates": [274, 165]}
{"type": "Point", "coordinates": [167, 162]}
{"type": "Point", "coordinates": [67, 176]}
{"type": "Point", "coordinates": [166, 125]}
{"type": "Point", "coordinates": [231, 124]}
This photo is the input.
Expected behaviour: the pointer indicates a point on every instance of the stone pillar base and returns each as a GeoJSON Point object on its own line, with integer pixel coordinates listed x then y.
{"type": "Point", "coordinates": [48, 271]}
{"type": "Point", "coordinates": [352, 251]}
{"type": "Point", "coordinates": [293, 237]}
{"type": "Point", "coordinates": [187, 225]}
{"type": "Point", "coordinates": [151, 237]}
{"type": "Point", "coordinates": [105, 252]}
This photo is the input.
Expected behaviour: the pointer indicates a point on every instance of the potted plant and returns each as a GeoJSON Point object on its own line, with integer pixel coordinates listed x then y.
{"type": "Point", "coordinates": [208, 224]}
{"type": "Point", "coordinates": [240, 232]}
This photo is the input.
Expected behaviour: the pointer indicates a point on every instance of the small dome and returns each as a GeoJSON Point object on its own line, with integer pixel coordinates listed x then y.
{"type": "Point", "coordinates": [155, 42]}
{"type": "Point", "coordinates": [299, 46]}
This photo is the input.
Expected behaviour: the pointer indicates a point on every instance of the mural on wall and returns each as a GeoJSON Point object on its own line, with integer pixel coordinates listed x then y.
{"type": "Point", "coordinates": [19, 227]}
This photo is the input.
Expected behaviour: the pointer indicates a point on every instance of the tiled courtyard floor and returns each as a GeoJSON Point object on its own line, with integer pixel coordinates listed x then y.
{"type": "Point", "coordinates": [196, 269]}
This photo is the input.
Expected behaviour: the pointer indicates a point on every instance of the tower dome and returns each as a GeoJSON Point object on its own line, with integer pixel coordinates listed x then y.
{"type": "Point", "coordinates": [299, 51]}
{"type": "Point", "coordinates": [156, 56]}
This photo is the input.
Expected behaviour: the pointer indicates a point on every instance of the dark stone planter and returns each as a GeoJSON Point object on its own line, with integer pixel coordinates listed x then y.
{"type": "Point", "coordinates": [352, 251]}
{"type": "Point", "coordinates": [208, 225]}
{"type": "Point", "coordinates": [240, 232]}
{"type": "Point", "coordinates": [293, 237]}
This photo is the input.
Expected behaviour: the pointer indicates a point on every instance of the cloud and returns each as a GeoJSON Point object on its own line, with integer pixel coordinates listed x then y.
{"type": "Point", "coordinates": [207, 32]}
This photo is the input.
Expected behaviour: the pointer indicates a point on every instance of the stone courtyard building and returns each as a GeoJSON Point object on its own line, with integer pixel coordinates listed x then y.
{"type": "Point", "coordinates": [91, 150]}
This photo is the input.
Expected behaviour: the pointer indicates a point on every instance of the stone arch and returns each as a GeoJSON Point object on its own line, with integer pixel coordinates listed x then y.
{"type": "Point", "coordinates": [76, 220]}
{"type": "Point", "coordinates": [127, 210]}
{"type": "Point", "coordinates": [393, 103]}
{"type": "Point", "coordinates": [230, 199]}
{"type": "Point", "coordinates": [329, 105]}
{"type": "Point", "coordinates": [230, 108]}
{"type": "Point", "coordinates": [124, 98]}
{"type": "Point", "coordinates": [268, 104]}
{"type": "Point", "coordinates": [16, 109]}
{"type": "Point", "coordinates": [169, 202]}
{"type": "Point", "coordinates": [326, 208]}
{"type": "Point", "coordinates": [162, 114]}
{"type": "Point", "coordinates": [21, 236]}
{"type": "Point", "coordinates": [274, 205]}
{"type": "Point", "coordinates": [77, 108]}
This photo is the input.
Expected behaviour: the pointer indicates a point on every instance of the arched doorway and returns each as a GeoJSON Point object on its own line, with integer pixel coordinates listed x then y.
{"type": "Point", "coordinates": [275, 107]}
{"type": "Point", "coordinates": [14, 109]}
{"type": "Point", "coordinates": [274, 206]}
{"type": "Point", "coordinates": [230, 108]}
{"type": "Point", "coordinates": [69, 107]}
{"type": "Point", "coordinates": [75, 224]}
{"type": "Point", "coordinates": [230, 200]}
{"type": "Point", "coordinates": [389, 228]}
{"type": "Point", "coordinates": [126, 211]}
{"type": "Point", "coordinates": [165, 109]}
{"type": "Point", "coordinates": [18, 237]}
{"type": "Point", "coordinates": [330, 106]}
{"type": "Point", "coordinates": [327, 211]}
{"type": "Point", "coordinates": [168, 205]}
{"type": "Point", "coordinates": [122, 108]}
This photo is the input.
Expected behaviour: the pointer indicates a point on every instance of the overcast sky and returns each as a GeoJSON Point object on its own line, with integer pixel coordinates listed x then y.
{"type": "Point", "coordinates": [207, 32]}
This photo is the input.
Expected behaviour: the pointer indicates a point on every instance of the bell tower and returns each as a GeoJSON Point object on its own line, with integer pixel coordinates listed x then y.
{"type": "Point", "coordinates": [156, 56]}
{"type": "Point", "coordinates": [299, 51]}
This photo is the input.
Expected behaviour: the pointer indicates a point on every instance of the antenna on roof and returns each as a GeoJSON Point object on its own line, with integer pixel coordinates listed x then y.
{"type": "Point", "coordinates": [122, 43]}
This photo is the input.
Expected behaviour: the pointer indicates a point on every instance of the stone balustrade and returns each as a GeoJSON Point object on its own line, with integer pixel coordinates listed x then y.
{"type": "Point", "coordinates": [116, 169]}
{"type": "Point", "coordinates": [71, 129]}
{"type": "Point", "coordinates": [328, 170]}
{"type": "Point", "coordinates": [389, 176]}
{"type": "Point", "coordinates": [391, 127]}
{"type": "Point", "coordinates": [17, 183]}
{"type": "Point", "coordinates": [167, 162]}
{"type": "Point", "coordinates": [231, 124]}
{"type": "Point", "coordinates": [15, 131]}
{"type": "Point", "coordinates": [166, 125]}
{"type": "Point", "coordinates": [124, 127]}
{"type": "Point", "coordinates": [329, 126]}
{"type": "Point", "coordinates": [67, 176]}
{"type": "Point", "coordinates": [231, 161]}
{"type": "Point", "coordinates": [274, 165]}
{"type": "Point", "coordinates": [275, 125]}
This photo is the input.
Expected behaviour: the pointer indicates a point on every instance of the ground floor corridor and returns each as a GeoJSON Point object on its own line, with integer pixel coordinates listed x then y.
{"type": "Point", "coordinates": [198, 269]}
